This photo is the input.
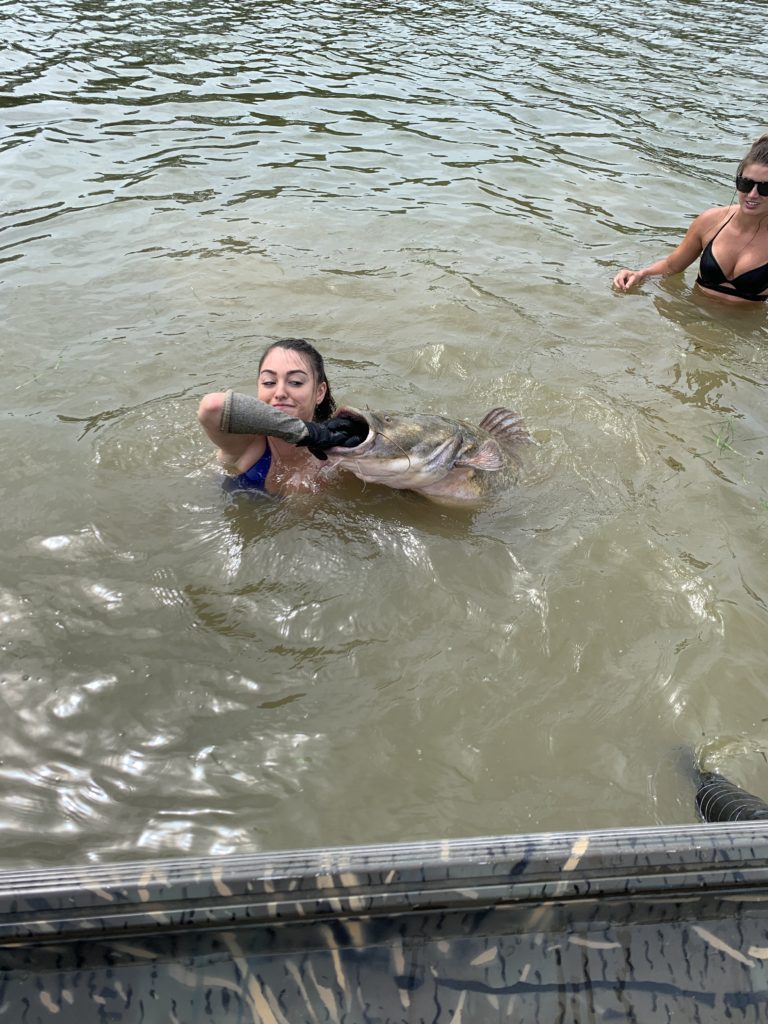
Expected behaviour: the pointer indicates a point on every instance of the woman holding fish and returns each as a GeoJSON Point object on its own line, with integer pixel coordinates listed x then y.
{"type": "Point", "coordinates": [276, 442]}
{"type": "Point", "coordinates": [452, 462]}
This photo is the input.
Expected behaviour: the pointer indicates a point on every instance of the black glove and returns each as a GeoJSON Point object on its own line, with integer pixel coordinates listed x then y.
{"type": "Point", "coordinates": [354, 430]}
{"type": "Point", "coordinates": [341, 432]}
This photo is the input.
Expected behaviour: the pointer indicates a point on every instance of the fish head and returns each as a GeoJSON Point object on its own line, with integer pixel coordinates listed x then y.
{"type": "Point", "coordinates": [400, 450]}
{"type": "Point", "coordinates": [430, 454]}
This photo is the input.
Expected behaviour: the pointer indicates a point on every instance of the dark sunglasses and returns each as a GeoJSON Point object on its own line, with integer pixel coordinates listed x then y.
{"type": "Point", "coordinates": [747, 184]}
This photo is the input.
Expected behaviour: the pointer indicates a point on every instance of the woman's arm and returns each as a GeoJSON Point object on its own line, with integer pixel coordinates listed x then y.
{"type": "Point", "coordinates": [237, 424]}
{"type": "Point", "coordinates": [683, 256]}
{"type": "Point", "coordinates": [240, 451]}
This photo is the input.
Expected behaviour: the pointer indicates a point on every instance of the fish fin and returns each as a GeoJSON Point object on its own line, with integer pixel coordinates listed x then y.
{"type": "Point", "coordinates": [488, 457]}
{"type": "Point", "coordinates": [506, 426]}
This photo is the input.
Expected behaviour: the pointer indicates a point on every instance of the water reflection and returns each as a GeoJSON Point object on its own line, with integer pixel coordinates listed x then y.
{"type": "Point", "coordinates": [437, 196]}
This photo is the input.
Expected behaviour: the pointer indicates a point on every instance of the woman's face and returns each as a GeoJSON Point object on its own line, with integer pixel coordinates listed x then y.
{"type": "Point", "coordinates": [752, 202]}
{"type": "Point", "coordinates": [287, 382]}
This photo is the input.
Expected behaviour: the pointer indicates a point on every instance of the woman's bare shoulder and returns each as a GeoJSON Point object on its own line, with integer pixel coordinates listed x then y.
{"type": "Point", "coordinates": [707, 223]}
{"type": "Point", "coordinates": [715, 215]}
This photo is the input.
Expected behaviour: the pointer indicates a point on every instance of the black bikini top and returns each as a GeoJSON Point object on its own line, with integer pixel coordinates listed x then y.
{"type": "Point", "coordinates": [745, 286]}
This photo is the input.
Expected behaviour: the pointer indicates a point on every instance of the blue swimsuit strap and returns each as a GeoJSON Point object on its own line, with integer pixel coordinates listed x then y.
{"type": "Point", "coordinates": [256, 476]}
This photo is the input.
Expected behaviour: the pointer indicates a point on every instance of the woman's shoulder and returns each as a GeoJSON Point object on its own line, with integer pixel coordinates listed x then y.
{"type": "Point", "coordinates": [707, 223]}
{"type": "Point", "coordinates": [715, 214]}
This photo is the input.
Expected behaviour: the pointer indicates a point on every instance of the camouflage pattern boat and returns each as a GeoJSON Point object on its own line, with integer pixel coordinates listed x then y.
{"type": "Point", "coordinates": [667, 924]}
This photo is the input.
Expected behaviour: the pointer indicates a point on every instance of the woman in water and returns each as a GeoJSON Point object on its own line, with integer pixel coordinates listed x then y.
{"type": "Point", "coordinates": [276, 442]}
{"type": "Point", "coordinates": [731, 240]}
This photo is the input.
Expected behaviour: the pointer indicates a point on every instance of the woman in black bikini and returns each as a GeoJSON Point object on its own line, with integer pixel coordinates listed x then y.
{"type": "Point", "coordinates": [731, 240]}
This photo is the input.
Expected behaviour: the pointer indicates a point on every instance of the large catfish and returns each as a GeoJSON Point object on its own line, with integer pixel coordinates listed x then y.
{"type": "Point", "coordinates": [448, 461]}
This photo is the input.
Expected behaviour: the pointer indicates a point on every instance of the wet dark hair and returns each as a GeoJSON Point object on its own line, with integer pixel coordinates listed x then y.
{"type": "Point", "coordinates": [326, 408]}
{"type": "Point", "coordinates": [758, 154]}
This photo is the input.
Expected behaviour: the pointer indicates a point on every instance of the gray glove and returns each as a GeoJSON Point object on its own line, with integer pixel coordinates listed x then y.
{"type": "Point", "coordinates": [244, 414]}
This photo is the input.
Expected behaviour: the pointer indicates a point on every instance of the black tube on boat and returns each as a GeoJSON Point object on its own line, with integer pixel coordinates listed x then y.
{"type": "Point", "coordinates": [717, 799]}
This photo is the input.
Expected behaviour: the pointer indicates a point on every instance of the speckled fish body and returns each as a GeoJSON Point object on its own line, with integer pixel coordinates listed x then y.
{"type": "Point", "coordinates": [448, 461]}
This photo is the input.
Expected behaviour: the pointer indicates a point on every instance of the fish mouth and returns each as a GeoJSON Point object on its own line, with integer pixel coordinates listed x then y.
{"type": "Point", "coordinates": [350, 413]}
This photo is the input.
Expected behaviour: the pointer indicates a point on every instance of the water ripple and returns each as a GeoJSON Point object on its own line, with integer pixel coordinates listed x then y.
{"type": "Point", "coordinates": [438, 196]}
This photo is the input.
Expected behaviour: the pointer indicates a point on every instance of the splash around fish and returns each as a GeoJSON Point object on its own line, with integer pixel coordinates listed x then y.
{"type": "Point", "coordinates": [451, 462]}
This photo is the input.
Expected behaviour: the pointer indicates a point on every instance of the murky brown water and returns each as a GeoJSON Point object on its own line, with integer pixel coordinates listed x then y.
{"type": "Point", "coordinates": [438, 196]}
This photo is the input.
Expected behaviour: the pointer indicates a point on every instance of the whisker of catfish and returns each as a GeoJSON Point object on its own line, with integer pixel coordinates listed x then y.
{"type": "Point", "coordinates": [391, 441]}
